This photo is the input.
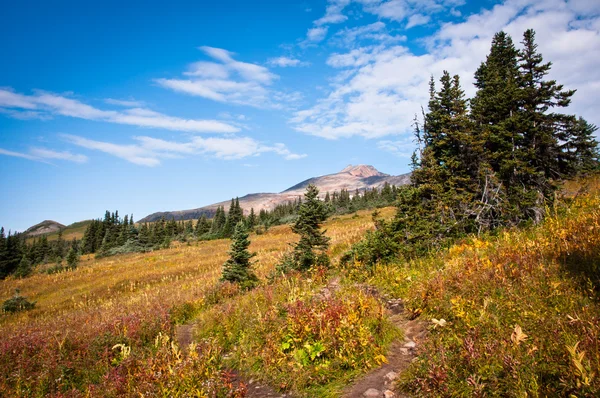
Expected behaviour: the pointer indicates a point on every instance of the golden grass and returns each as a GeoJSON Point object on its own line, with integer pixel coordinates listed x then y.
{"type": "Point", "coordinates": [174, 275]}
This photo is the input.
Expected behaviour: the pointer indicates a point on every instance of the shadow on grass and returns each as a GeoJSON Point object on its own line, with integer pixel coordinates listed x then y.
{"type": "Point", "coordinates": [584, 267]}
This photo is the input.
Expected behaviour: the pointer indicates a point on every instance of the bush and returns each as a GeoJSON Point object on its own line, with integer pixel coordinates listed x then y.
{"type": "Point", "coordinates": [17, 303]}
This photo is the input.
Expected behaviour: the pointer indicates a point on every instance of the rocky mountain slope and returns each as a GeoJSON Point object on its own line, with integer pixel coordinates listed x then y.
{"type": "Point", "coordinates": [43, 228]}
{"type": "Point", "coordinates": [351, 178]}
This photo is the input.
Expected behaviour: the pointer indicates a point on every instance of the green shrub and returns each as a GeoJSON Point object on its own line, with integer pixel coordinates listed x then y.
{"type": "Point", "coordinates": [17, 303]}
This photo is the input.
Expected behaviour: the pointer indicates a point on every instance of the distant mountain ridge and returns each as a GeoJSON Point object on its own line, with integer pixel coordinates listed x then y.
{"type": "Point", "coordinates": [351, 178]}
{"type": "Point", "coordinates": [43, 228]}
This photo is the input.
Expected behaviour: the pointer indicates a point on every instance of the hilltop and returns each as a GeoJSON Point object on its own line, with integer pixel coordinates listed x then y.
{"type": "Point", "coordinates": [44, 228]}
{"type": "Point", "coordinates": [351, 178]}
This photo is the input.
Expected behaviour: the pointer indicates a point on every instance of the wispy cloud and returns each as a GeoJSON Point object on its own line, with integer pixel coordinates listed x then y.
{"type": "Point", "coordinates": [403, 148]}
{"type": "Point", "coordinates": [229, 80]}
{"type": "Point", "coordinates": [375, 32]}
{"type": "Point", "coordinates": [131, 153]}
{"type": "Point", "coordinates": [42, 155]}
{"type": "Point", "coordinates": [380, 87]}
{"type": "Point", "coordinates": [126, 103]}
{"type": "Point", "coordinates": [285, 62]}
{"type": "Point", "coordinates": [315, 35]}
{"type": "Point", "coordinates": [333, 13]}
{"type": "Point", "coordinates": [400, 10]}
{"type": "Point", "coordinates": [18, 155]}
{"type": "Point", "coordinates": [65, 155]}
{"type": "Point", "coordinates": [149, 151]}
{"type": "Point", "coordinates": [416, 20]}
{"type": "Point", "coordinates": [45, 104]}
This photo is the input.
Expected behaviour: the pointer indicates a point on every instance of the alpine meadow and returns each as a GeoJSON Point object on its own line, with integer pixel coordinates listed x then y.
{"type": "Point", "coordinates": [472, 271]}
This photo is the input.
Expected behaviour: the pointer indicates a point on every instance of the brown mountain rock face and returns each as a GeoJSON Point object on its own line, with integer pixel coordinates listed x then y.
{"type": "Point", "coordinates": [43, 228]}
{"type": "Point", "coordinates": [351, 178]}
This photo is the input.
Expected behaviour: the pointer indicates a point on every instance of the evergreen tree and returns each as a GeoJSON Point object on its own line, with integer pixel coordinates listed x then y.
{"type": "Point", "coordinates": [251, 221]}
{"type": "Point", "coordinates": [203, 226]}
{"type": "Point", "coordinates": [234, 216]}
{"type": "Point", "coordinates": [238, 268]}
{"type": "Point", "coordinates": [495, 111]}
{"type": "Point", "coordinates": [72, 258]}
{"type": "Point", "coordinates": [540, 126]}
{"type": "Point", "coordinates": [584, 157]}
{"type": "Point", "coordinates": [310, 249]}
{"type": "Point", "coordinates": [24, 269]}
{"type": "Point", "coordinates": [218, 222]}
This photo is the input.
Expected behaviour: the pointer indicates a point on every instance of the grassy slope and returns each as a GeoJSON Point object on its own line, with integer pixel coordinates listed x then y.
{"type": "Point", "coordinates": [510, 315]}
{"type": "Point", "coordinates": [70, 232]}
{"type": "Point", "coordinates": [65, 344]}
{"type": "Point", "coordinates": [521, 309]}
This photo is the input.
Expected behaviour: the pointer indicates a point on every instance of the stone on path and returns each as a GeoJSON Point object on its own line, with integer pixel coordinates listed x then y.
{"type": "Point", "coordinates": [391, 376]}
{"type": "Point", "coordinates": [410, 344]}
{"type": "Point", "coordinates": [389, 394]}
{"type": "Point", "coordinates": [372, 393]}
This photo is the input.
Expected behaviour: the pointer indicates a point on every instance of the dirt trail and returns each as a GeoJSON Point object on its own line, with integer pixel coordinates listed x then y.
{"type": "Point", "coordinates": [379, 383]}
{"type": "Point", "coordinates": [184, 335]}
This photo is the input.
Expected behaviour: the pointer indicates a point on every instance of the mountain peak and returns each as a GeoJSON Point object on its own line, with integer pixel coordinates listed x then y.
{"type": "Point", "coordinates": [45, 227]}
{"type": "Point", "coordinates": [362, 171]}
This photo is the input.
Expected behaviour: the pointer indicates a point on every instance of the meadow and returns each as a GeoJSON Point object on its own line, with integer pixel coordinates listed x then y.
{"type": "Point", "coordinates": [514, 313]}
{"type": "Point", "coordinates": [106, 328]}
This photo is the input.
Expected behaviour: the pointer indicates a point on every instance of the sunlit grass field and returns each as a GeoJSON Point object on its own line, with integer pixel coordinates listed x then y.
{"type": "Point", "coordinates": [65, 345]}
{"type": "Point", "coordinates": [515, 313]}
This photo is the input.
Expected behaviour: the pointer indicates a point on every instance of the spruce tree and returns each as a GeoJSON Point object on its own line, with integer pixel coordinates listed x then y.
{"type": "Point", "coordinates": [238, 268]}
{"type": "Point", "coordinates": [495, 110]}
{"type": "Point", "coordinates": [218, 222]}
{"type": "Point", "coordinates": [24, 269]}
{"type": "Point", "coordinates": [251, 221]}
{"type": "Point", "coordinates": [584, 146]}
{"type": "Point", "coordinates": [72, 258]}
{"type": "Point", "coordinates": [203, 226]}
{"type": "Point", "coordinates": [541, 146]}
{"type": "Point", "coordinates": [310, 249]}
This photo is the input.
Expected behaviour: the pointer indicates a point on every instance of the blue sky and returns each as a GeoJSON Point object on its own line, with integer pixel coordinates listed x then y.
{"type": "Point", "coordinates": [146, 106]}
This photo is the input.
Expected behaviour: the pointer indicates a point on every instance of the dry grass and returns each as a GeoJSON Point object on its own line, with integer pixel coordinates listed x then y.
{"type": "Point", "coordinates": [126, 298]}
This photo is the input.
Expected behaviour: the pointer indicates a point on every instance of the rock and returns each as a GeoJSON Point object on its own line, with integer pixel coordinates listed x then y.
{"type": "Point", "coordinates": [389, 394]}
{"type": "Point", "coordinates": [372, 393]}
{"type": "Point", "coordinates": [404, 351]}
{"type": "Point", "coordinates": [391, 376]}
{"type": "Point", "coordinates": [410, 344]}
{"type": "Point", "coordinates": [251, 381]}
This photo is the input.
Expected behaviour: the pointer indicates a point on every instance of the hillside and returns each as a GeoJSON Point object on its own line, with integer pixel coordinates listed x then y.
{"type": "Point", "coordinates": [43, 228]}
{"type": "Point", "coordinates": [514, 314]}
{"type": "Point", "coordinates": [69, 232]}
{"type": "Point", "coordinates": [351, 178]}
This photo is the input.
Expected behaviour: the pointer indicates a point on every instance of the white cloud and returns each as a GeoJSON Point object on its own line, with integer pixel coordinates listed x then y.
{"type": "Point", "coordinates": [383, 86]}
{"type": "Point", "coordinates": [230, 81]}
{"type": "Point", "coordinates": [126, 103]}
{"type": "Point", "coordinates": [316, 35]}
{"type": "Point", "coordinates": [18, 155]}
{"type": "Point", "coordinates": [131, 153]}
{"type": "Point", "coordinates": [42, 154]}
{"type": "Point", "coordinates": [416, 20]}
{"type": "Point", "coordinates": [50, 154]}
{"type": "Point", "coordinates": [207, 70]}
{"type": "Point", "coordinates": [43, 104]}
{"type": "Point", "coordinates": [333, 13]}
{"type": "Point", "coordinates": [376, 32]}
{"type": "Point", "coordinates": [149, 151]}
{"type": "Point", "coordinates": [248, 71]}
{"type": "Point", "coordinates": [284, 62]}
{"type": "Point", "coordinates": [399, 10]}
{"type": "Point", "coordinates": [402, 148]}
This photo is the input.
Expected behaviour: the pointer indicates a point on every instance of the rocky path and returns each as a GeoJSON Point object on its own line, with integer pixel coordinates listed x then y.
{"type": "Point", "coordinates": [380, 382]}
